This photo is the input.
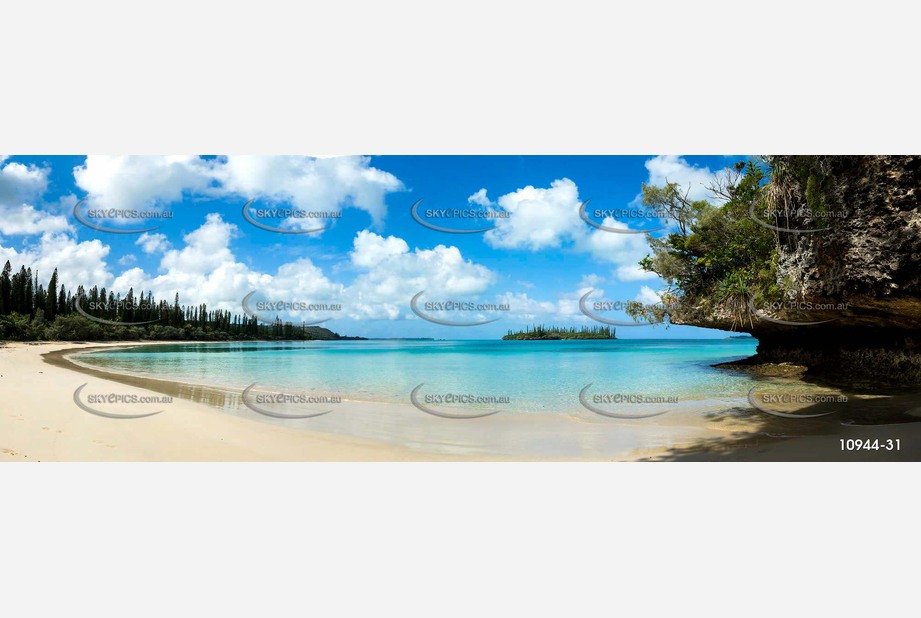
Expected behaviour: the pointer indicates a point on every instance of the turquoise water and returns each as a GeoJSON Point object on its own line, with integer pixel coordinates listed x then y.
{"type": "Point", "coordinates": [532, 375]}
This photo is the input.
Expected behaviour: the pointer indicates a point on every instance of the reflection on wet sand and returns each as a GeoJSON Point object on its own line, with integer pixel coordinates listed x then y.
{"type": "Point", "coordinates": [731, 432]}
{"type": "Point", "coordinates": [224, 399]}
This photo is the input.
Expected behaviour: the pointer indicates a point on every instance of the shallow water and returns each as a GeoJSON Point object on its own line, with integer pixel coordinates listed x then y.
{"type": "Point", "coordinates": [542, 382]}
{"type": "Point", "coordinates": [538, 376]}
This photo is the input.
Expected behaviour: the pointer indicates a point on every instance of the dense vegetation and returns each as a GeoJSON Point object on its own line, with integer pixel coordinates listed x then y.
{"type": "Point", "coordinates": [554, 332]}
{"type": "Point", "coordinates": [719, 259]}
{"type": "Point", "coordinates": [30, 312]}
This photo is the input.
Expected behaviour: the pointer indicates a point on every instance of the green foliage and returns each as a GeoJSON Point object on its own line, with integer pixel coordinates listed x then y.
{"type": "Point", "coordinates": [29, 312]}
{"type": "Point", "coordinates": [15, 327]}
{"type": "Point", "coordinates": [555, 332]}
{"type": "Point", "coordinates": [75, 328]}
{"type": "Point", "coordinates": [670, 199]}
{"type": "Point", "coordinates": [719, 255]}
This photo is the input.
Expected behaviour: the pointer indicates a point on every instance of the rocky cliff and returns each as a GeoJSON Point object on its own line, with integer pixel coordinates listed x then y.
{"type": "Point", "coordinates": [848, 234]}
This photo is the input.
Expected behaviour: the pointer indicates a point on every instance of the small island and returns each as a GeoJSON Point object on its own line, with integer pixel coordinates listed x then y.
{"type": "Point", "coordinates": [544, 333]}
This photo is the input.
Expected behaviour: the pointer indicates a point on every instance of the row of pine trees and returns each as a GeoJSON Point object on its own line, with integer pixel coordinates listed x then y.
{"type": "Point", "coordinates": [557, 332]}
{"type": "Point", "coordinates": [29, 310]}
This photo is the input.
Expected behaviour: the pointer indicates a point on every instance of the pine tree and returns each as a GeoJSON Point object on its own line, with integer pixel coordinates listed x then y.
{"type": "Point", "coordinates": [6, 290]}
{"type": "Point", "coordinates": [51, 301]}
{"type": "Point", "coordinates": [177, 312]}
{"type": "Point", "coordinates": [28, 295]}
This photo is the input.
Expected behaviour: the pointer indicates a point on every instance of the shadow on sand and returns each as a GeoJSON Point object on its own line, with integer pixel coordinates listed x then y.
{"type": "Point", "coordinates": [889, 419]}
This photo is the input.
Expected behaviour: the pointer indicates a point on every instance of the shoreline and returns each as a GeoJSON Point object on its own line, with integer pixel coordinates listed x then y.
{"type": "Point", "coordinates": [403, 418]}
{"type": "Point", "coordinates": [410, 435]}
{"type": "Point", "coordinates": [209, 423]}
{"type": "Point", "coordinates": [184, 388]}
{"type": "Point", "coordinates": [60, 358]}
{"type": "Point", "coordinates": [40, 422]}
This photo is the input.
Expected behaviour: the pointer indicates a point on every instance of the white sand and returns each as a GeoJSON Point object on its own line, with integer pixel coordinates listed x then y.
{"type": "Point", "coordinates": [39, 421]}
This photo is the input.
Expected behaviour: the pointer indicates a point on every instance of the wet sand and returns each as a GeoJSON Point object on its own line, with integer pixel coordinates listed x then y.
{"type": "Point", "coordinates": [40, 420]}
{"type": "Point", "coordinates": [204, 423]}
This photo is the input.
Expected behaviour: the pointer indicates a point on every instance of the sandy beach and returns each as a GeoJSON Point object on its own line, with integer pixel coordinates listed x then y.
{"type": "Point", "coordinates": [40, 421]}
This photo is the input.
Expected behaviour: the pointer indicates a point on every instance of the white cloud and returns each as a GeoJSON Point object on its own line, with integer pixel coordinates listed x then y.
{"type": "Point", "coordinates": [81, 263]}
{"type": "Point", "coordinates": [549, 218]}
{"type": "Point", "coordinates": [632, 272]}
{"type": "Point", "coordinates": [25, 219]}
{"type": "Point", "coordinates": [127, 182]}
{"type": "Point", "coordinates": [648, 296]}
{"type": "Point", "coordinates": [137, 279]}
{"type": "Point", "coordinates": [305, 280]}
{"type": "Point", "coordinates": [324, 184]}
{"type": "Point", "coordinates": [153, 243]}
{"type": "Point", "coordinates": [539, 218]}
{"type": "Point", "coordinates": [671, 168]}
{"type": "Point", "coordinates": [565, 308]}
{"type": "Point", "coordinates": [308, 183]}
{"type": "Point", "coordinates": [546, 218]}
{"type": "Point", "coordinates": [623, 250]}
{"type": "Point", "coordinates": [20, 184]}
{"type": "Point", "coordinates": [394, 274]}
{"type": "Point", "coordinates": [77, 263]}
{"type": "Point", "coordinates": [479, 198]}
{"type": "Point", "coordinates": [296, 282]}
{"type": "Point", "coordinates": [369, 248]}
{"type": "Point", "coordinates": [523, 307]}
{"type": "Point", "coordinates": [206, 248]}
{"type": "Point", "coordinates": [204, 270]}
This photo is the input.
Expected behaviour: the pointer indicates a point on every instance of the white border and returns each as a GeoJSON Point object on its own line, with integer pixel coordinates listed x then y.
{"type": "Point", "coordinates": [485, 76]}
{"type": "Point", "coordinates": [456, 540]}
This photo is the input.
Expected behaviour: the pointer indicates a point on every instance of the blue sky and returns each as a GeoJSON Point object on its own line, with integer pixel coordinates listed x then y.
{"type": "Point", "coordinates": [374, 257]}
